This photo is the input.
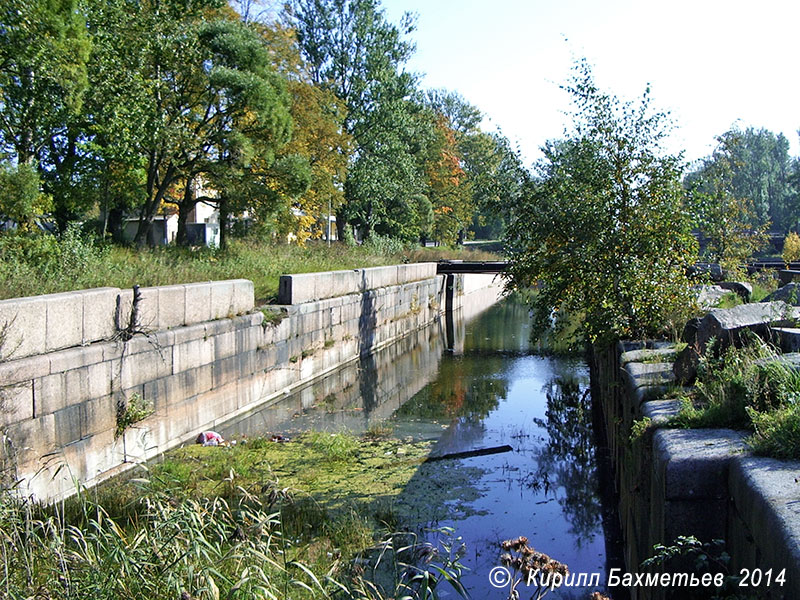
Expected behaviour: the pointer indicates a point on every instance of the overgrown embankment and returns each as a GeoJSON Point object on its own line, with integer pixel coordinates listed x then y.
{"type": "Point", "coordinates": [44, 264]}
{"type": "Point", "coordinates": [709, 460]}
{"type": "Point", "coordinates": [305, 519]}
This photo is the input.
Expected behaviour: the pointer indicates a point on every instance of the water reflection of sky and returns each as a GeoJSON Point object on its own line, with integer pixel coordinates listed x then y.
{"type": "Point", "coordinates": [496, 393]}
{"type": "Point", "coordinates": [490, 393]}
{"type": "Point", "coordinates": [518, 499]}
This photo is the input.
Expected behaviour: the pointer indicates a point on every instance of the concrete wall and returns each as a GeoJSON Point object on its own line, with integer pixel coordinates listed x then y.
{"type": "Point", "coordinates": [307, 287]}
{"type": "Point", "coordinates": [204, 355]}
{"type": "Point", "coordinates": [43, 324]}
{"type": "Point", "coordinates": [700, 482]}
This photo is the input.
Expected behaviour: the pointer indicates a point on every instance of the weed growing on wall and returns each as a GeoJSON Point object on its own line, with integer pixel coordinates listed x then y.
{"type": "Point", "coordinates": [131, 410]}
{"type": "Point", "coordinates": [750, 387]}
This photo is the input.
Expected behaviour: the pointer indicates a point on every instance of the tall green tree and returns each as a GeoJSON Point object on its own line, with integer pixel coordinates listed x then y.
{"type": "Point", "coordinates": [723, 212]}
{"type": "Point", "coordinates": [210, 98]}
{"type": "Point", "coordinates": [318, 136]}
{"type": "Point", "coordinates": [498, 178]}
{"type": "Point", "coordinates": [44, 46]}
{"type": "Point", "coordinates": [354, 51]}
{"type": "Point", "coordinates": [178, 89]}
{"type": "Point", "coordinates": [21, 199]}
{"type": "Point", "coordinates": [99, 160]}
{"type": "Point", "coordinates": [462, 117]}
{"type": "Point", "coordinates": [757, 169]}
{"type": "Point", "coordinates": [494, 172]}
{"type": "Point", "coordinates": [604, 231]}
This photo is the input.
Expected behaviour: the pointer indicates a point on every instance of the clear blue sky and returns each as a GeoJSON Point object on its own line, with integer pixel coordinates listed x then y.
{"type": "Point", "coordinates": [711, 63]}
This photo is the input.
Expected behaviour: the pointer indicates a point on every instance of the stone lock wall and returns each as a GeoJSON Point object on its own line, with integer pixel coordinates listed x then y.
{"type": "Point", "coordinates": [700, 482]}
{"type": "Point", "coordinates": [202, 355]}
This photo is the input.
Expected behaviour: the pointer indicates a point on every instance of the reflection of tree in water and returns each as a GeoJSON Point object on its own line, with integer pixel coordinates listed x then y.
{"type": "Point", "coordinates": [470, 386]}
{"type": "Point", "coordinates": [465, 389]}
{"type": "Point", "coordinates": [568, 460]}
{"type": "Point", "coordinates": [504, 328]}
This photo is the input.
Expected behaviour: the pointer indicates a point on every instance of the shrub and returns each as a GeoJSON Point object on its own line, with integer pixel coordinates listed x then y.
{"type": "Point", "coordinates": [40, 263]}
{"type": "Point", "coordinates": [384, 245]}
{"type": "Point", "coordinates": [791, 248]}
{"type": "Point", "coordinates": [740, 378]}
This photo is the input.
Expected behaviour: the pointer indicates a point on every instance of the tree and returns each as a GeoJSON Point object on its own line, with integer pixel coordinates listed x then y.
{"type": "Point", "coordinates": [497, 177]}
{"type": "Point", "coordinates": [99, 160]}
{"type": "Point", "coordinates": [462, 117]}
{"type": "Point", "coordinates": [727, 217]}
{"type": "Point", "coordinates": [201, 89]}
{"type": "Point", "coordinates": [493, 171]}
{"type": "Point", "coordinates": [318, 136]}
{"type": "Point", "coordinates": [447, 190]}
{"type": "Point", "coordinates": [21, 199]}
{"type": "Point", "coordinates": [387, 176]}
{"type": "Point", "coordinates": [229, 104]}
{"type": "Point", "coordinates": [757, 170]}
{"type": "Point", "coordinates": [44, 47]}
{"type": "Point", "coordinates": [603, 231]}
{"type": "Point", "coordinates": [352, 50]}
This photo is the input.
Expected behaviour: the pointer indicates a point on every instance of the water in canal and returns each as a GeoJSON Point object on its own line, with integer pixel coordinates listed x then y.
{"type": "Point", "coordinates": [492, 390]}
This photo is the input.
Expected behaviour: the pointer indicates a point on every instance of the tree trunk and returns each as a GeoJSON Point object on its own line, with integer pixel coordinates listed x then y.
{"type": "Point", "coordinates": [156, 188]}
{"type": "Point", "coordinates": [223, 224]}
{"type": "Point", "coordinates": [341, 222]}
{"type": "Point", "coordinates": [184, 208]}
{"type": "Point", "coordinates": [143, 231]}
{"type": "Point", "coordinates": [116, 224]}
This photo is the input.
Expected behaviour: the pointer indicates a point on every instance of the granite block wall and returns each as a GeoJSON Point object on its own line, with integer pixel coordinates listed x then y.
{"type": "Point", "coordinates": [202, 354]}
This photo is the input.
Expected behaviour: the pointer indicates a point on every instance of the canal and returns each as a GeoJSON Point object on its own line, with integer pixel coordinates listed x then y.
{"type": "Point", "coordinates": [492, 390]}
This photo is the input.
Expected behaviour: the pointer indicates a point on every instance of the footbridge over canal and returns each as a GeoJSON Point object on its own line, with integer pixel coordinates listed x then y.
{"type": "Point", "coordinates": [451, 269]}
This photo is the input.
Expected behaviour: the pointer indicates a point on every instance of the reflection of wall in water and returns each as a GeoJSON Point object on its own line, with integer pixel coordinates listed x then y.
{"type": "Point", "coordinates": [361, 393]}
{"type": "Point", "coordinates": [475, 293]}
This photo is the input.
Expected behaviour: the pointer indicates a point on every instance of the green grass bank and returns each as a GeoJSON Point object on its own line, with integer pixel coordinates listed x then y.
{"type": "Point", "coordinates": [44, 264]}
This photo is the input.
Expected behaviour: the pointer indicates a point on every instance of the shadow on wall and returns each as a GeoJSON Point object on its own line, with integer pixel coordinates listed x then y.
{"type": "Point", "coordinates": [367, 322]}
{"type": "Point", "coordinates": [367, 319]}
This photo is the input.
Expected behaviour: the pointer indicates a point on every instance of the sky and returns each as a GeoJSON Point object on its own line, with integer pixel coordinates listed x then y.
{"type": "Point", "coordinates": [711, 64]}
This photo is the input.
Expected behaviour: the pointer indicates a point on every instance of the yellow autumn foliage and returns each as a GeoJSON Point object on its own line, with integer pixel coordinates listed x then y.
{"type": "Point", "coordinates": [791, 248]}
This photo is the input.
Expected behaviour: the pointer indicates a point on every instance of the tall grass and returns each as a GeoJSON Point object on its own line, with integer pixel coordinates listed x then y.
{"type": "Point", "coordinates": [43, 264]}
{"type": "Point", "coordinates": [753, 388]}
{"type": "Point", "coordinates": [203, 549]}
